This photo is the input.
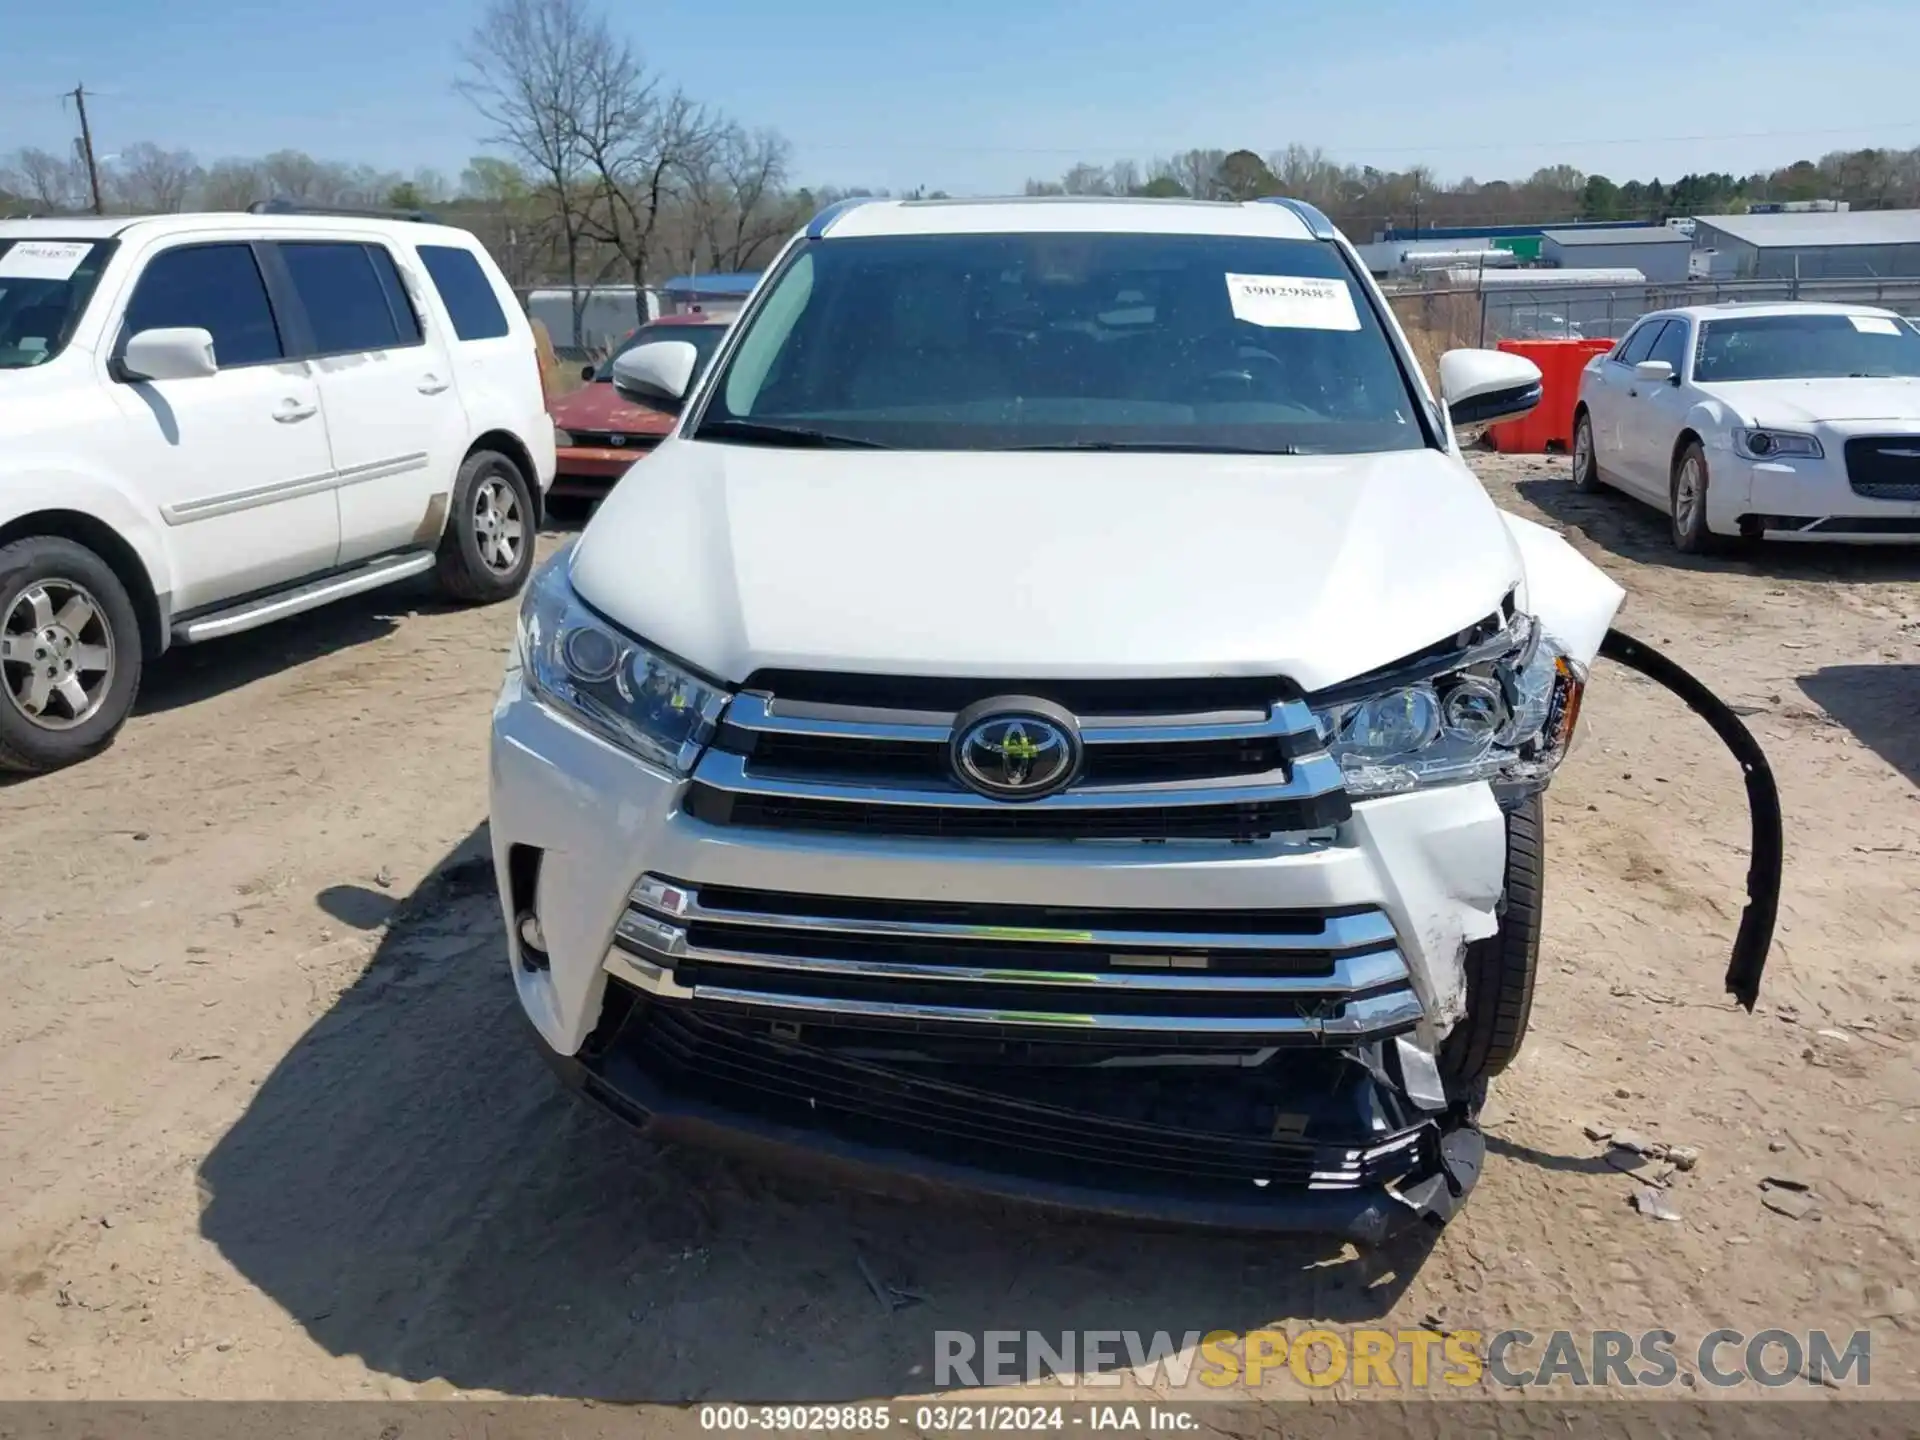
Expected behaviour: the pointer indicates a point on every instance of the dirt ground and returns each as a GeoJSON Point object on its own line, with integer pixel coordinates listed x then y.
{"type": "Point", "coordinates": [270, 1124]}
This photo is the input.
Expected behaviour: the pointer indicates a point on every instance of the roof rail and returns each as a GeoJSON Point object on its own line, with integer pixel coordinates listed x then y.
{"type": "Point", "coordinates": [295, 207]}
{"type": "Point", "coordinates": [817, 226]}
{"type": "Point", "coordinates": [1318, 225]}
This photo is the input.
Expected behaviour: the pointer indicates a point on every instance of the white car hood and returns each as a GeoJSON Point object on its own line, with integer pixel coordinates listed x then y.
{"type": "Point", "coordinates": [1044, 565]}
{"type": "Point", "coordinates": [1808, 402]}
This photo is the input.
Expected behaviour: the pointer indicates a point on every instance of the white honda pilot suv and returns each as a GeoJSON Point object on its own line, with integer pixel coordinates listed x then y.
{"type": "Point", "coordinates": [1058, 717]}
{"type": "Point", "coordinates": [209, 422]}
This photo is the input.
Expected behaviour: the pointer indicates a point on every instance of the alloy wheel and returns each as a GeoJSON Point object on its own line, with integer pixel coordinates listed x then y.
{"type": "Point", "coordinates": [498, 525]}
{"type": "Point", "coordinates": [56, 653]}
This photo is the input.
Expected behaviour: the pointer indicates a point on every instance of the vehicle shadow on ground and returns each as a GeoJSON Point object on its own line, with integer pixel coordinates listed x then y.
{"type": "Point", "coordinates": [1634, 530]}
{"type": "Point", "coordinates": [416, 1189]}
{"type": "Point", "coordinates": [1880, 704]}
{"type": "Point", "coordinates": [189, 674]}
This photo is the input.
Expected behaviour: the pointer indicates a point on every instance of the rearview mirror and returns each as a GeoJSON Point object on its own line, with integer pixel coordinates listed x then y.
{"type": "Point", "coordinates": [1479, 387]}
{"type": "Point", "coordinates": [656, 374]}
{"type": "Point", "coordinates": [169, 354]}
{"type": "Point", "coordinates": [1654, 372]}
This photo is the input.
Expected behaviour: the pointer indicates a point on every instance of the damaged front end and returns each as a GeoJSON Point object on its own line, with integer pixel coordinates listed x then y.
{"type": "Point", "coordinates": [1227, 1077]}
{"type": "Point", "coordinates": [1219, 977]}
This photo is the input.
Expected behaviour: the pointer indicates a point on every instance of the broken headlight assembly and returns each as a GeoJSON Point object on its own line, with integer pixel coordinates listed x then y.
{"type": "Point", "coordinates": [1499, 705]}
{"type": "Point", "coordinates": [608, 682]}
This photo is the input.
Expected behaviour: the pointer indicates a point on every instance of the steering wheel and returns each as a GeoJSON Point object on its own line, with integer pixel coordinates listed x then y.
{"type": "Point", "coordinates": [1251, 367]}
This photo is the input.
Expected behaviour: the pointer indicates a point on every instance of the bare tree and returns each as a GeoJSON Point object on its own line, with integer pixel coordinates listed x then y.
{"type": "Point", "coordinates": [1085, 179]}
{"type": "Point", "coordinates": [639, 139]}
{"type": "Point", "coordinates": [1198, 172]}
{"type": "Point", "coordinates": [48, 181]}
{"type": "Point", "coordinates": [524, 70]}
{"type": "Point", "coordinates": [148, 180]}
{"type": "Point", "coordinates": [736, 197]}
{"type": "Point", "coordinates": [233, 185]}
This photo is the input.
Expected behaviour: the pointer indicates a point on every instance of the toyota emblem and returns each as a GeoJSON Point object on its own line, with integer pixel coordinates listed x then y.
{"type": "Point", "coordinates": [1015, 748]}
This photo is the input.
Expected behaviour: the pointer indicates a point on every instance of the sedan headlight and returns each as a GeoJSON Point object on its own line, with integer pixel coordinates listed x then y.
{"type": "Point", "coordinates": [608, 682]}
{"type": "Point", "coordinates": [1502, 710]}
{"type": "Point", "coordinates": [562, 438]}
{"type": "Point", "coordinates": [1776, 445]}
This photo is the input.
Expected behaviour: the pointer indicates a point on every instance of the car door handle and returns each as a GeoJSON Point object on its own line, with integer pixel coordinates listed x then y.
{"type": "Point", "coordinates": [292, 410]}
{"type": "Point", "coordinates": [432, 385]}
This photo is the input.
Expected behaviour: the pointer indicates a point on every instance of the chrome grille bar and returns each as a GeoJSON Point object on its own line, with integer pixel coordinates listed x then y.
{"type": "Point", "coordinates": [1309, 778]}
{"type": "Point", "coordinates": [931, 972]}
{"type": "Point", "coordinates": [1330, 932]}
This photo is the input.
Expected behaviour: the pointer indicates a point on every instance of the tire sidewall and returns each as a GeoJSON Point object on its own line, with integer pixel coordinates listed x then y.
{"type": "Point", "coordinates": [1698, 538]}
{"type": "Point", "coordinates": [478, 581]}
{"type": "Point", "coordinates": [1499, 971]}
{"type": "Point", "coordinates": [24, 563]}
{"type": "Point", "coordinates": [1585, 477]}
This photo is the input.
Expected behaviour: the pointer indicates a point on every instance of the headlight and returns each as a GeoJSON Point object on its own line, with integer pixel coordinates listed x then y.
{"type": "Point", "coordinates": [610, 683]}
{"type": "Point", "coordinates": [1776, 445]}
{"type": "Point", "coordinates": [562, 438]}
{"type": "Point", "coordinates": [1504, 713]}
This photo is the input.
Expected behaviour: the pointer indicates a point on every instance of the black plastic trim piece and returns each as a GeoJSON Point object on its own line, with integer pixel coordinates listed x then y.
{"type": "Point", "coordinates": [1495, 405]}
{"type": "Point", "coordinates": [1764, 864]}
{"type": "Point", "coordinates": [1368, 1216]}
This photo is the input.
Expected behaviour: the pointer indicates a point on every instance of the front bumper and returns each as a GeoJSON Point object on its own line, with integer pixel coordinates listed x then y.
{"type": "Point", "coordinates": [1804, 499]}
{"type": "Point", "coordinates": [593, 470]}
{"type": "Point", "coordinates": [576, 823]}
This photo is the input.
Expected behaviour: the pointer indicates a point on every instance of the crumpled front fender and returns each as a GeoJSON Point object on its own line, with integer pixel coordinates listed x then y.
{"type": "Point", "coordinates": [1573, 599]}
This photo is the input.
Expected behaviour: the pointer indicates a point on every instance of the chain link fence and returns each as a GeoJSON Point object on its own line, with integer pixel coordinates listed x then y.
{"type": "Point", "coordinates": [1441, 318]}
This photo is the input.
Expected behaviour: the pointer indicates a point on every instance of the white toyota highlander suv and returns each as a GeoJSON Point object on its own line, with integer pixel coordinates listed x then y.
{"type": "Point", "coordinates": [209, 422]}
{"type": "Point", "coordinates": [1058, 716]}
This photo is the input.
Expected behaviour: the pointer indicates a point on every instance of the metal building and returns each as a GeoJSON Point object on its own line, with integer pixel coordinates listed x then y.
{"type": "Point", "coordinates": [1847, 245]}
{"type": "Point", "coordinates": [1658, 252]}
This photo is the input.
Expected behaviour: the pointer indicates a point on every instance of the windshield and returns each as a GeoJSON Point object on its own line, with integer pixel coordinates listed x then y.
{"type": "Point", "coordinates": [44, 288]}
{"type": "Point", "coordinates": [1066, 341]}
{"type": "Point", "coordinates": [704, 338]}
{"type": "Point", "coordinates": [1806, 347]}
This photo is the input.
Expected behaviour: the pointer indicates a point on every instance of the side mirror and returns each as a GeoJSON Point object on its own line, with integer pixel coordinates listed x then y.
{"type": "Point", "coordinates": [586, 371]}
{"type": "Point", "coordinates": [1479, 387]}
{"type": "Point", "coordinates": [656, 374]}
{"type": "Point", "coordinates": [1654, 372]}
{"type": "Point", "coordinates": [171, 354]}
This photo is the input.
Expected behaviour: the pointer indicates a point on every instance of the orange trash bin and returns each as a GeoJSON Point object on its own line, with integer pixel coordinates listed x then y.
{"type": "Point", "coordinates": [1549, 425]}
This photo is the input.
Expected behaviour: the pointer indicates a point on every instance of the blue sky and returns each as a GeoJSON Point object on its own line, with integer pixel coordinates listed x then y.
{"type": "Point", "coordinates": [975, 98]}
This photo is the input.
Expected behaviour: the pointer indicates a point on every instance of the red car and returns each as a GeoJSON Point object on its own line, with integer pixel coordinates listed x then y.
{"type": "Point", "coordinates": [599, 434]}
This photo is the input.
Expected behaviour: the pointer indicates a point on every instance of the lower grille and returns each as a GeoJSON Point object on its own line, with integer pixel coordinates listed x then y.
{"type": "Point", "coordinates": [1167, 980]}
{"type": "Point", "coordinates": [1318, 1120]}
{"type": "Point", "coordinates": [1884, 467]}
{"type": "Point", "coordinates": [613, 439]}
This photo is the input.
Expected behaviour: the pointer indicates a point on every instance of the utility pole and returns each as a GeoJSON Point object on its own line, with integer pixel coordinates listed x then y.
{"type": "Point", "coordinates": [79, 93]}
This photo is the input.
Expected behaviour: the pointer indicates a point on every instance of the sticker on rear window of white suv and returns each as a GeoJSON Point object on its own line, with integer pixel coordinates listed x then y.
{"type": "Point", "coordinates": [1292, 302]}
{"type": "Point", "coordinates": [42, 259]}
{"type": "Point", "coordinates": [1875, 325]}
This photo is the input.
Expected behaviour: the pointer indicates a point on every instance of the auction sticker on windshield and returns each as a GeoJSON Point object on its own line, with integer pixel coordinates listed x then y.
{"type": "Point", "coordinates": [1292, 302]}
{"type": "Point", "coordinates": [1875, 325]}
{"type": "Point", "coordinates": [42, 259]}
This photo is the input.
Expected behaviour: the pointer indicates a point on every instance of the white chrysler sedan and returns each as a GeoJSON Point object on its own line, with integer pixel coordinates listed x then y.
{"type": "Point", "coordinates": [1790, 421]}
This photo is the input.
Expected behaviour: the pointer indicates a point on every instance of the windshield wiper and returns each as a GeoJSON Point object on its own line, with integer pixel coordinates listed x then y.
{"type": "Point", "coordinates": [798, 437]}
{"type": "Point", "coordinates": [1184, 447]}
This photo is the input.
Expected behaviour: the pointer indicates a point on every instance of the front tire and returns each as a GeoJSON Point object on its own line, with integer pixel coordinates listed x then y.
{"type": "Point", "coordinates": [70, 654]}
{"type": "Point", "coordinates": [1500, 970]}
{"type": "Point", "coordinates": [1687, 507]}
{"type": "Point", "coordinates": [486, 553]}
{"type": "Point", "coordinates": [1586, 464]}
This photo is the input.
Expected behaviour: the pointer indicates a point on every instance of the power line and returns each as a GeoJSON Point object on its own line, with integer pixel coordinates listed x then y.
{"type": "Point", "coordinates": [1082, 150]}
